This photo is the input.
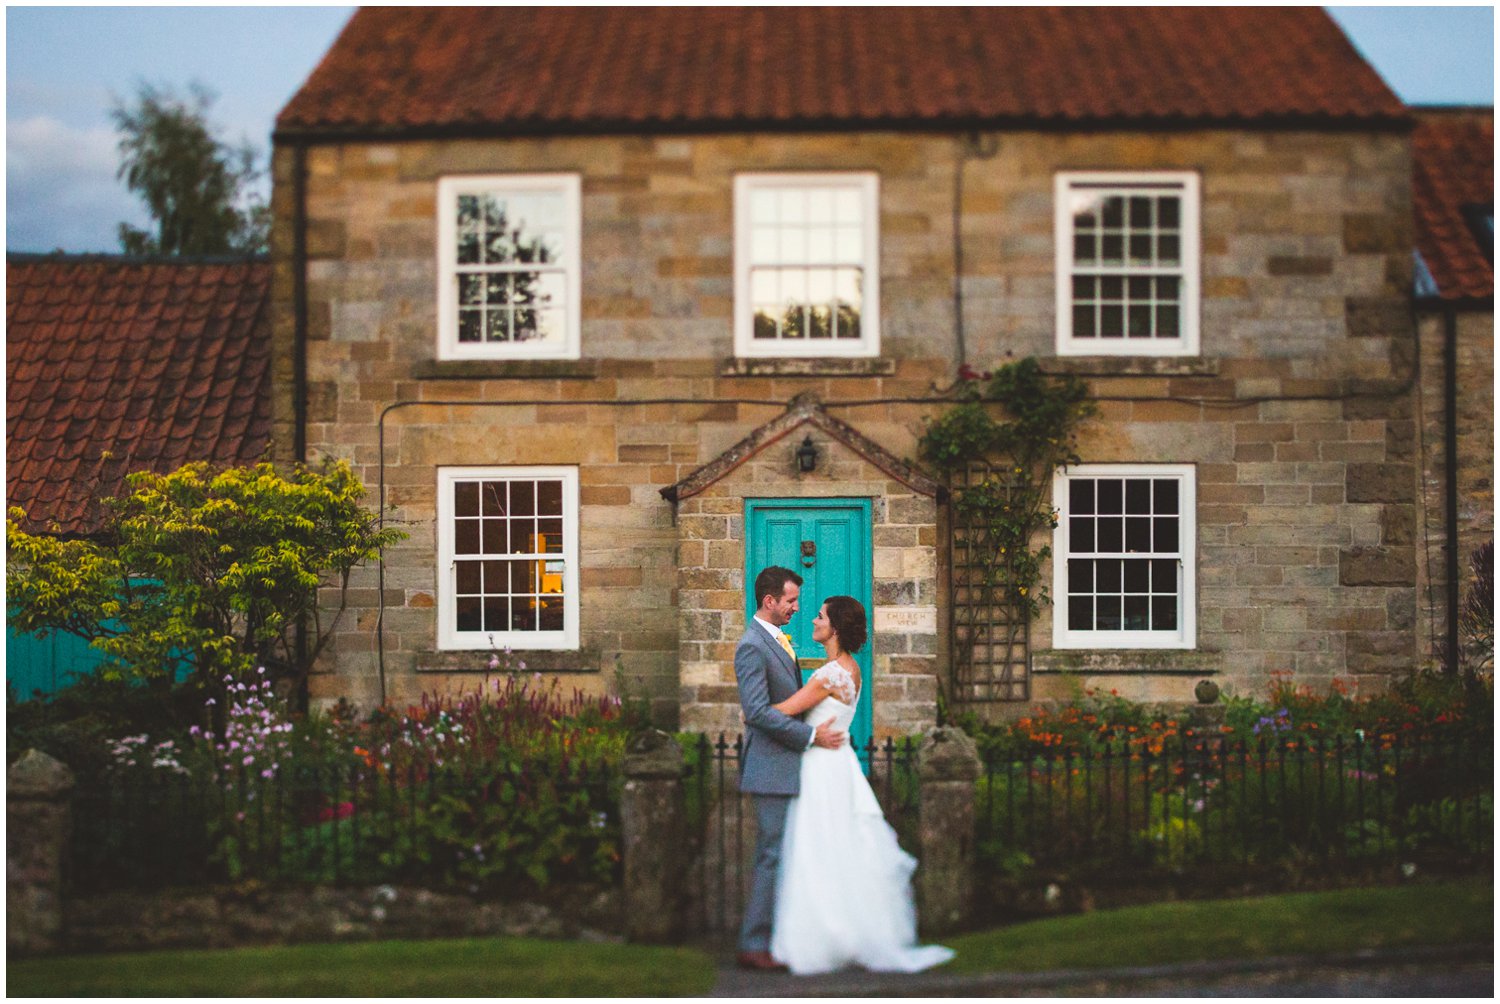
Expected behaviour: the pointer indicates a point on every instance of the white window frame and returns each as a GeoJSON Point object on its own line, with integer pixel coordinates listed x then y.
{"type": "Point", "coordinates": [449, 638]}
{"type": "Point", "coordinates": [868, 344]}
{"type": "Point", "coordinates": [1187, 344]}
{"type": "Point", "coordinates": [449, 189]}
{"type": "Point", "coordinates": [1186, 635]}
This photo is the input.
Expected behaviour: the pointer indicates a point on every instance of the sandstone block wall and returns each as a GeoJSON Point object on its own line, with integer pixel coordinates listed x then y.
{"type": "Point", "coordinates": [1475, 374]}
{"type": "Point", "coordinates": [1296, 413]}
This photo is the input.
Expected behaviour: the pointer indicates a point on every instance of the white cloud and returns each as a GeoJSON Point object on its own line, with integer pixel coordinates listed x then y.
{"type": "Point", "coordinates": [60, 187]}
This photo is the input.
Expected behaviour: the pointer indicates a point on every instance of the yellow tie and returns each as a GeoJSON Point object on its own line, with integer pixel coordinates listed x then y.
{"type": "Point", "coordinates": [786, 645]}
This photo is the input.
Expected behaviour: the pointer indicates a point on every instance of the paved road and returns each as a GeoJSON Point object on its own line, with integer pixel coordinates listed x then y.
{"type": "Point", "coordinates": [1456, 971]}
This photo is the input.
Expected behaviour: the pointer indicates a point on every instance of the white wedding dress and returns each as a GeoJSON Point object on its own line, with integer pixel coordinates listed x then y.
{"type": "Point", "coordinates": [843, 893]}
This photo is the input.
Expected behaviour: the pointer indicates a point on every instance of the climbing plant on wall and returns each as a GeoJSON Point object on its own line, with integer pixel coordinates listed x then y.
{"type": "Point", "coordinates": [999, 447]}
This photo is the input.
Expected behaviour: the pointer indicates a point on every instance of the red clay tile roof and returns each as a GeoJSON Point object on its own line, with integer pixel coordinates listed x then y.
{"type": "Point", "coordinates": [438, 70]}
{"type": "Point", "coordinates": [1453, 168]}
{"type": "Point", "coordinates": [157, 362]}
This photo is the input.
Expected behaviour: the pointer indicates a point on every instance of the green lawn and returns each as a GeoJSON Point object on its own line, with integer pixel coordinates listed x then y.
{"type": "Point", "coordinates": [476, 967]}
{"type": "Point", "coordinates": [1295, 924]}
{"type": "Point", "coordinates": [1304, 923]}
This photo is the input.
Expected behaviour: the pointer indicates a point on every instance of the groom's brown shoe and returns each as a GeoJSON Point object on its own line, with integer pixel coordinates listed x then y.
{"type": "Point", "coordinates": [759, 960]}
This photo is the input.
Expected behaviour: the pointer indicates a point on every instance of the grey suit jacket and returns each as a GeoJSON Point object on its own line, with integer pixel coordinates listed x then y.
{"type": "Point", "coordinates": [770, 763]}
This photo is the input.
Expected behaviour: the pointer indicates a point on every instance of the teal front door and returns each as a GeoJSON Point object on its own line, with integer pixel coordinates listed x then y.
{"type": "Point", "coordinates": [827, 542]}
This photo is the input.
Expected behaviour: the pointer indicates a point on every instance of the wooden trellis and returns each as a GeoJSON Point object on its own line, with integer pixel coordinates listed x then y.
{"type": "Point", "coordinates": [990, 636]}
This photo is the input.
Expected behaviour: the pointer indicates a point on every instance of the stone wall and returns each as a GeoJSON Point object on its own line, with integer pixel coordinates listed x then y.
{"type": "Point", "coordinates": [1476, 464]}
{"type": "Point", "coordinates": [1296, 413]}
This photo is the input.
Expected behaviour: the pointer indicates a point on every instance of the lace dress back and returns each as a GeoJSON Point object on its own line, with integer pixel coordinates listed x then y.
{"type": "Point", "coordinates": [844, 892]}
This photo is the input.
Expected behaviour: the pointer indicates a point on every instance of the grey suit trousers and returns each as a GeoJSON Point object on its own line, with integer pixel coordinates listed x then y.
{"type": "Point", "coordinates": [760, 908]}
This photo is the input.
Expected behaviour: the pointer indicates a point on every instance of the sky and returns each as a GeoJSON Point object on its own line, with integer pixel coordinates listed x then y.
{"type": "Point", "coordinates": [66, 66]}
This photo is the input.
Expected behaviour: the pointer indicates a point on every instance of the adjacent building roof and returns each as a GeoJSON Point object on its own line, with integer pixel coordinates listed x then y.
{"type": "Point", "coordinates": [486, 70]}
{"type": "Point", "coordinates": [119, 364]}
{"type": "Point", "coordinates": [1453, 196]}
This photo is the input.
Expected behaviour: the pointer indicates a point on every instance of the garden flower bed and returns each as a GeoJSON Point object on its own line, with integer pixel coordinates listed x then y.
{"type": "Point", "coordinates": [514, 786]}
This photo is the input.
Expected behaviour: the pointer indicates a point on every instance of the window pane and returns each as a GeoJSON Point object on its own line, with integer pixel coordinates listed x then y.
{"type": "Point", "coordinates": [497, 325]}
{"type": "Point", "coordinates": [1140, 321]}
{"type": "Point", "coordinates": [1111, 496]}
{"type": "Point", "coordinates": [470, 325]}
{"type": "Point", "coordinates": [820, 322]}
{"type": "Point", "coordinates": [820, 245]}
{"type": "Point", "coordinates": [1164, 613]}
{"type": "Point", "coordinates": [1081, 496]}
{"type": "Point", "coordinates": [492, 498]}
{"type": "Point", "coordinates": [1164, 575]}
{"type": "Point", "coordinates": [1138, 534]}
{"type": "Point", "coordinates": [550, 616]}
{"type": "Point", "coordinates": [762, 206]}
{"type": "Point", "coordinates": [765, 323]}
{"type": "Point", "coordinates": [1164, 495]}
{"type": "Point", "coordinates": [549, 499]}
{"type": "Point", "coordinates": [1085, 249]}
{"type": "Point", "coordinates": [1168, 208]}
{"type": "Point", "coordinates": [495, 537]}
{"type": "Point", "coordinates": [1111, 322]}
{"type": "Point", "coordinates": [468, 247]}
{"type": "Point", "coordinates": [1111, 287]}
{"type": "Point", "coordinates": [763, 245]}
{"type": "Point", "coordinates": [1080, 575]}
{"type": "Point", "coordinates": [1138, 496]}
{"type": "Point", "coordinates": [1084, 287]}
{"type": "Point", "coordinates": [1137, 576]}
{"type": "Point", "coordinates": [469, 617]}
{"type": "Point", "coordinates": [466, 498]}
{"type": "Point", "coordinates": [1108, 608]}
{"type": "Point", "coordinates": [1140, 212]}
{"type": "Point", "coordinates": [1112, 249]}
{"type": "Point", "coordinates": [1166, 322]}
{"type": "Point", "coordinates": [1111, 534]}
{"type": "Point", "coordinates": [466, 536]}
{"type": "Point", "coordinates": [1114, 211]}
{"type": "Point", "coordinates": [820, 206]}
{"type": "Point", "coordinates": [1080, 613]}
{"type": "Point", "coordinates": [791, 245]}
{"type": "Point", "coordinates": [523, 498]}
{"type": "Point", "coordinates": [791, 204]}
{"type": "Point", "coordinates": [1166, 535]}
{"type": "Point", "coordinates": [1140, 249]}
{"type": "Point", "coordinates": [849, 245]}
{"type": "Point", "coordinates": [1137, 613]}
{"type": "Point", "coordinates": [1083, 322]}
{"type": "Point", "coordinates": [496, 613]}
{"type": "Point", "coordinates": [1108, 575]}
{"type": "Point", "coordinates": [847, 207]}
{"type": "Point", "coordinates": [1081, 535]}
{"type": "Point", "coordinates": [468, 577]}
{"type": "Point", "coordinates": [1168, 250]}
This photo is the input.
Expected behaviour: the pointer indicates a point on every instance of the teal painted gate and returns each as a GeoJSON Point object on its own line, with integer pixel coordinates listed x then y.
{"type": "Point", "coordinates": [827, 542]}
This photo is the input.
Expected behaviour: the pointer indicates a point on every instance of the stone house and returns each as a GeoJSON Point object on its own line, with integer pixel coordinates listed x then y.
{"type": "Point", "coordinates": [1453, 194]}
{"type": "Point", "coordinates": [117, 364]}
{"type": "Point", "coordinates": [610, 307]}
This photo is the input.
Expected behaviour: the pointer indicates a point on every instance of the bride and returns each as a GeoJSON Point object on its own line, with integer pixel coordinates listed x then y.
{"type": "Point", "coordinates": [843, 894]}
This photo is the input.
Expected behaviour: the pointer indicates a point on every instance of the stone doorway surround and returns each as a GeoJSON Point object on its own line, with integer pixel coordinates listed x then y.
{"type": "Point", "coordinates": [709, 507]}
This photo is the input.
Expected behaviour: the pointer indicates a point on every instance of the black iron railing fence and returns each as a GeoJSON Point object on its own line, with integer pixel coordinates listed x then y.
{"type": "Point", "coordinates": [1214, 802]}
{"type": "Point", "coordinates": [721, 820]}
{"type": "Point", "coordinates": [462, 828]}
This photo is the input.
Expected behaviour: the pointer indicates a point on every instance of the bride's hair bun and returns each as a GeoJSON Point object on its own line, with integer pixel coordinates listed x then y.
{"type": "Point", "coordinates": [846, 616]}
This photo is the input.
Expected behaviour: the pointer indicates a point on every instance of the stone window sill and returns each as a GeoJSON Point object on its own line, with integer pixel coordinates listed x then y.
{"type": "Point", "coordinates": [585, 660]}
{"type": "Point", "coordinates": [1097, 366]}
{"type": "Point", "coordinates": [829, 367]}
{"type": "Point", "coordinates": [506, 369]}
{"type": "Point", "coordinates": [1127, 662]}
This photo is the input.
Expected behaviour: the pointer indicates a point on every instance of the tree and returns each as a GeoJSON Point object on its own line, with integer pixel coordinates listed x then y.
{"type": "Point", "coordinates": [215, 566]}
{"type": "Point", "coordinates": [195, 186]}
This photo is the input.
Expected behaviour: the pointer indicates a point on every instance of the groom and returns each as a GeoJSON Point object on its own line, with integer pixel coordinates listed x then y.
{"type": "Point", "coordinates": [765, 669]}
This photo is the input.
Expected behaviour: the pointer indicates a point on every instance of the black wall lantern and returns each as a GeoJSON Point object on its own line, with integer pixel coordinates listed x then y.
{"type": "Point", "coordinates": [807, 456]}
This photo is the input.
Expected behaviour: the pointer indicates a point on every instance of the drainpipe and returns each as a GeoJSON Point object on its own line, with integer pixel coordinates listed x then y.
{"type": "Point", "coordinates": [299, 302]}
{"type": "Point", "coordinates": [1450, 462]}
{"type": "Point", "coordinates": [299, 360]}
